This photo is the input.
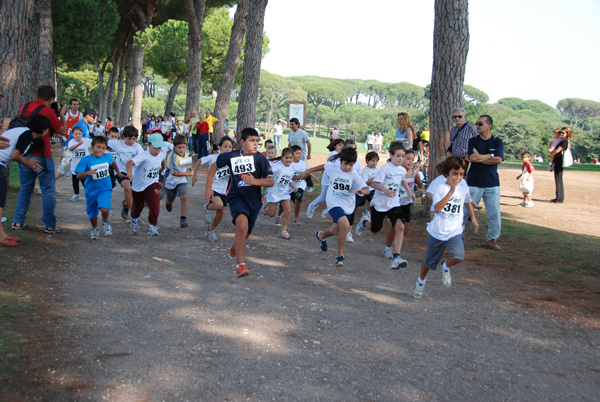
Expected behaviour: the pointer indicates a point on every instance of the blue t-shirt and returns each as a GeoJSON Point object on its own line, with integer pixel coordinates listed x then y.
{"type": "Point", "coordinates": [481, 175]}
{"type": "Point", "coordinates": [402, 136]}
{"type": "Point", "coordinates": [84, 130]}
{"type": "Point", "coordinates": [95, 184]}
{"type": "Point", "coordinates": [256, 164]}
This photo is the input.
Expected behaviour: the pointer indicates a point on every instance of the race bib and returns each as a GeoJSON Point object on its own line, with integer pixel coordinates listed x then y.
{"type": "Point", "coordinates": [341, 185]}
{"type": "Point", "coordinates": [391, 184]}
{"type": "Point", "coordinates": [284, 181]}
{"type": "Point", "coordinates": [222, 173]}
{"type": "Point", "coordinates": [79, 153]}
{"type": "Point", "coordinates": [101, 171]}
{"type": "Point", "coordinates": [153, 173]}
{"type": "Point", "coordinates": [452, 209]}
{"type": "Point", "coordinates": [243, 164]}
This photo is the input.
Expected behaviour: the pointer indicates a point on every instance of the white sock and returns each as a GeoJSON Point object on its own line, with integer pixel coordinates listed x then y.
{"type": "Point", "coordinates": [445, 267]}
{"type": "Point", "coordinates": [421, 281]}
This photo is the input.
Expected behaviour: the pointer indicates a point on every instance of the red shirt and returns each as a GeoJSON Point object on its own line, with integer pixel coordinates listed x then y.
{"type": "Point", "coordinates": [51, 115]}
{"type": "Point", "coordinates": [528, 167]}
{"type": "Point", "coordinates": [202, 127]}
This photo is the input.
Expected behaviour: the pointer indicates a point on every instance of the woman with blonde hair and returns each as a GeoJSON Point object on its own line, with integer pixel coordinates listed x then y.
{"type": "Point", "coordinates": [404, 132]}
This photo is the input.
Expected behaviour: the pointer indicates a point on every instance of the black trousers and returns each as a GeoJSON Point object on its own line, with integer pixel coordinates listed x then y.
{"type": "Point", "coordinates": [558, 182]}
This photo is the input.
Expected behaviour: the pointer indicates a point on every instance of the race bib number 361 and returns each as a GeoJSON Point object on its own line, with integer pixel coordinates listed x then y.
{"type": "Point", "coordinates": [243, 164]}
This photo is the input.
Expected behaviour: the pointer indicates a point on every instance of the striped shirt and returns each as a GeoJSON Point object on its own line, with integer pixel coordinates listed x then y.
{"type": "Point", "coordinates": [460, 139]}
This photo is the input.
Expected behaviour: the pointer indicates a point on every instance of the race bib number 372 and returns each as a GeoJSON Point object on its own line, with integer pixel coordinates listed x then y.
{"type": "Point", "coordinates": [243, 164]}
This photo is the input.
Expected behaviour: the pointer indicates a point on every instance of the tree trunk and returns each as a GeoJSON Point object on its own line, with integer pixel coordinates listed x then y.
{"type": "Point", "coordinates": [450, 48]}
{"type": "Point", "coordinates": [100, 71]}
{"type": "Point", "coordinates": [171, 96]}
{"type": "Point", "coordinates": [47, 69]}
{"type": "Point", "coordinates": [316, 116]}
{"type": "Point", "coordinates": [231, 66]}
{"type": "Point", "coordinates": [18, 47]}
{"type": "Point", "coordinates": [124, 117]}
{"type": "Point", "coordinates": [138, 88]}
{"type": "Point", "coordinates": [110, 86]}
{"type": "Point", "coordinates": [252, 60]}
{"type": "Point", "coordinates": [121, 82]}
{"type": "Point", "coordinates": [195, 12]}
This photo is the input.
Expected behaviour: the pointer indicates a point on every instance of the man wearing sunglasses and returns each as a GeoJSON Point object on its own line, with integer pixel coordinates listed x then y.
{"type": "Point", "coordinates": [461, 133]}
{"type": "Point", "coordinates": [485, 153]}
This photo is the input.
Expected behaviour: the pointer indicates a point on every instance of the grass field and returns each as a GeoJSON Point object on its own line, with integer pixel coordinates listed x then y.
{"type": "Point", "coordinates": [578, 167]}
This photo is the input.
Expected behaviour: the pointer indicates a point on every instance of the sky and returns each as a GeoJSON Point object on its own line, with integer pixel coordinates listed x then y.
{"type": "Point", "coordinates": [530, 49]}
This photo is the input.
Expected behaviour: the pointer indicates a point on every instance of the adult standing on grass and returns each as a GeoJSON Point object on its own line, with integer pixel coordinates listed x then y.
{"type": "Point", "coordinates": [43, 154]}
{"type": "Point", "coordinates": [211, 120]}
{"type": "Point", "coordinates": [565, 134]}
{"type": "Point", "coordinates": [277, 133]}
{"type": "Point", "coordinates": [485, 153]}
{"type": "Point", "coordinates": [461, 133]}
{"type": "Point", "coordinates": [298, 136]}
{"type": "Point", "coordinates": [19, 140]}
{"type": "Point", "coordinates": [404, 132]}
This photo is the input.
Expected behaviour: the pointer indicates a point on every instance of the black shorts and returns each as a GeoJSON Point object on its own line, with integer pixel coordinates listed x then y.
{"type": "Point", "coordinates": [3, 186]}
{"type": "Point", "coordinates": [222, 197]}
{"type": "Point", "coordinates": [120, 180]}
{"type": "Point", "coordinates": [406, 212]}
{"type": "Point", "coordinates": [361, 199]}
{"type": "Point", "coordinates": [238, 207]}
{"type": "Point", "coordinates": [297, 195]}
{"type": "Point", "coordinates": [377, 218]}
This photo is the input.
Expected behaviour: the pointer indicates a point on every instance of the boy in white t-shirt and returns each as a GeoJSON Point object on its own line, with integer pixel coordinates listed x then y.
{"type": "Point", "coordinates": [299, 166]}
{"type": "Point", "coordinates": [125, 150]}
{"type": "Point", "coordinates": [176, 185]}
{"type": "Point", "coordinates": [445, 230]}
{"type": "Point", "coordinates": [144, 183]}
{"type": "Point", "coordinates": [80, 147]}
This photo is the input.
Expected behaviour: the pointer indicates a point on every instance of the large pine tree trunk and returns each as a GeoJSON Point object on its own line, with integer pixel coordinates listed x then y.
{"type": "Point", "coordinates": [195, 12]}
{"type": "Point", "coordinates": [252, 60]}
{"type": "Point", "coordinates": [18, 47]}
{"type": "Point", "coordinates": [171, 96]}
{"type": "Point", "coordinates": [450, 48]}
{"type": "Point", "coordinates": [100, 72]}
{"type": "Point", "coordinates": [138, 88]}
{"type": "Point", "coordinates": [121, 83]}
{"type": "Point", "coordinates": [124, 117]}
{"type": "Point", "coordinates": [231, 66]}
{"type": "Point", "coordinates": [110, 86]}
{"type": "Point", "coordinates": [47, 70]}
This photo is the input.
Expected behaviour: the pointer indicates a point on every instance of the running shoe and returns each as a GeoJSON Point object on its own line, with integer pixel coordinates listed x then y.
{"type": "Point", "coordinates": [75, 197]}
{"type": "Point", "coordinates": [208, 216]}
{"type": "Point", "coordinates": [210, 234]}
{"type": "Point", "coordinates": [124, 211]}
{"type": "Point", "coordinates": [183, 223]}
{"type": "Point", "coordinates": [278, 221]}
{"type": "Point", "coordinates": [232, 251]}
{"type": "Point", "coordinates": [349, 238]}
{"type": "Point", "coordinates": [418, 290]}
{"type": "Point", "coordinates": [297, 222]}
{"type": "Point", "coordinates": [285, 235]}
{"type": "Point", "coordinates": [445, 274]}
{"type": "Point", "coordinates": [323, 242]}
{"type": "Point", "coordinates": [135, 225]}
{"type": "Point", "coordinates": [242, 270]}
{"type": "Point", "coordinates": [310, 213]}
{"type": "Point", "coordinates": [399, 262]}
{"type": "Point", "coordinates": [94, 234]}
{"type": "Point", "coordinates": [107, 229]}
{"type": "Point", "coordinates": [388, 253]}
{"type": "Point", "coordinates": [360, 228]}
{"type": "Point", "coordinates": [324, 214]}
{"type": "Point", "coordinates": [339, 261]}
{"type": "Point", "coordinates": [168, 206]}
{"type": "Point", "coordinates": [152, 230]}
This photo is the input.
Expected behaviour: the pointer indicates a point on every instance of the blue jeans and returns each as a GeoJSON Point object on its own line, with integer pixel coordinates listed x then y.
{"type": "Point", "coordinates": [202, 145]}
{"type": "Point", "coordinates": [277, 141]}
{"type": "Point", "coordinates": [194, 143]}
{"type": "Point", "coordinates": [491, 200]}
{"type": "Point", "coordinates": [47, 185]}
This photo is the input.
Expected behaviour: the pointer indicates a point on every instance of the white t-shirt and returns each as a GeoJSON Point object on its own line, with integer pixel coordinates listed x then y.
{"type": "Point", "coordinates": [405, 198]}
{"type": "Point", "coordinates": [165, 127]}
{"type": "Point", "coordinates": [13, 136]}
{"type": "Point", "coordinates": [124, 153]}
{"type": "Point", "coordinates": [379, 140]}
{"type": "Point", "coordinates": [341, 187]}
{"type": "Point", "coordinates": [79, 152]}
{"type": "Point", "coordinates": [449, 221]}
{"type": "Point", "coordinates": [389, 176]}
{"type": "Point", "coordinates": [146, 170]}
{"type": "Point", "coordinates": [368, 173]}
{"type": "Point", "coordinates": [325, 179]}
{"type": "Point", "coordinates": [283, 176]}
{"type": "Point", "coordinates": [278, 129]}
{"type": "Point", "coordinates": [298, 168]}
{"type": "Point", "coordinates": [442, 179]}
{"type": "Point", "coordinates": [222, 175]}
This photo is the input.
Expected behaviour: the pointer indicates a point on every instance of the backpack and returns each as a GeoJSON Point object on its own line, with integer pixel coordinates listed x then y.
{"type": "Point", "coordinates": [21, 120]}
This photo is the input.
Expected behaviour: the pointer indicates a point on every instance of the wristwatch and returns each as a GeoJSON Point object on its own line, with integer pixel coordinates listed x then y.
{"type": "Point", "coordinates": [492, 154]}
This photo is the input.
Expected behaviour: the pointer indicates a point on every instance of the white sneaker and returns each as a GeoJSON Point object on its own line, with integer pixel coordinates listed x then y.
{"type": "Point", "coordinates": [446, 279]}
{"type": "Point", "coordinates": [152, 230]}
{"type": "Point", "coordinates": [135, 225]}
{"type": "Point", "coordinates": [324, 214]}
{"type": "Point", "coordinates": [94, 234]}
{"type": "Point", "coordinates": [75, 197]}
{"type": "Point", "coordinates": [360, 228]}
{"type": "Point", "coordinates": [208, 216]}
{"type": "Point", "coordinates": [107, 229]}
{"type": "Point", "coordinates": [297, 222]}
{"type": "Point", "coordinates": [349, 238]}
{"type": "Point", "coordinates": [388, 253]}
{"type": "Point", "coordinates": [529, 204]}
{"type": "Point", "coordinates": [418, 290]}
{"type": "Point", "coordinates": [310, 213]}
{"type": "Point", "coordinates": [367, 214]}
{"type": "Point", "coordinates": [309, 189]}
{"type": "Point", "coordinates": [210, 234]}
{"type": "Point", "coordinates": [399, 262]}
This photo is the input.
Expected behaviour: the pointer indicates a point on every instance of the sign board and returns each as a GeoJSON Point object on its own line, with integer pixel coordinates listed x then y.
{"type": "Point", "coordinates": [297, 110]}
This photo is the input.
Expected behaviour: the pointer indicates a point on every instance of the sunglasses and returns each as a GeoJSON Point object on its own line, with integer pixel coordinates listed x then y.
{"type": "Point", "coordinates": [480, 123]}
{"type": "Point", "coordinates": [458, 116]}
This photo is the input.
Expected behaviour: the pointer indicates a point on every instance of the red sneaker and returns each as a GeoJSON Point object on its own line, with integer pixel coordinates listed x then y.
{"type": "Point", "coordinates": [242, 270]}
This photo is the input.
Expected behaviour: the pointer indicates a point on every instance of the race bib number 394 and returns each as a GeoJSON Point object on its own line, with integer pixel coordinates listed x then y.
{"type": "Point", "coordinates": [243, 164]}
{"type": "Point", "coordinates": [340, 183]}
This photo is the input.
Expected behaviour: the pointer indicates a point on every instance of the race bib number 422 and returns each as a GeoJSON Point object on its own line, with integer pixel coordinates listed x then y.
{"type": "Point", "coordinates": [243, 164]}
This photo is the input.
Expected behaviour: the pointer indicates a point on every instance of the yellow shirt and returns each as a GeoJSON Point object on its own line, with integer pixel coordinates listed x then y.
{"type": "Point", "coordinates": [211, 120]}
{"type": "Point", "coordinates": [192, 126]}
{"type": "Point", "coordinates": [425, 135]}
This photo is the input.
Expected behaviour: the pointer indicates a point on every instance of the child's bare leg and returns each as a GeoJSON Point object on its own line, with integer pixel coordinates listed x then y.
{"type": "Point", "coordinates": [184, 204]}
{"type": "Point", "coordinates": [241, 233]}
{"type": "Point", "coordinates": [343, 229]}
{"type": "Point", "coordinates": [218, 216]}
{"type": "Point", "coordinates": [104, 212]}
{"type": "Point", "coordinates": [216, 204]}
{"type": "Point", "coordinates": [94, 222]}
{"type": "Point", "coordinates": [391, 234]}
{"type": "Point", "coordinates": [424, 271]}
{"type": "Point", "coordinates": [272, 208]}
{"type": "Point", "coordinates": [127, 193]}
{"type": "Point", "coordinates": [452, 261]}
{"type": "Point", "coordinates": [287, 212]}
{"type": "Point", "coordinates": [297, 207]}
{"type": "Point", "coordinates": [398, 237]}
{"type": "Point", "coordinates": [406, 228]}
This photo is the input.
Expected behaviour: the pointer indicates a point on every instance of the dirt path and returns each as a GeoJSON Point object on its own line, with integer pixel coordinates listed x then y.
{"type": "Point", "coordinates": [135, 318]}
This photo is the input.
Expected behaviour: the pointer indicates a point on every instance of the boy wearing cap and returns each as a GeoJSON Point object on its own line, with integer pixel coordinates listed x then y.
{"type": "Point", "coordinates": [89, 117]}
{"type": "Point", "coordinates": [249, 171]}
{"type": "Point", "coordinates": [144, 183]}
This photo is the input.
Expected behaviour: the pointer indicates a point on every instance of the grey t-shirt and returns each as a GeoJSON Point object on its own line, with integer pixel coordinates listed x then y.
{"type": "Point", "coordinates": [299, 138]}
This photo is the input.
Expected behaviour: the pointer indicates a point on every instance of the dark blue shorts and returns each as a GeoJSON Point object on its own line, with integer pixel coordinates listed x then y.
{"type": "Point", "coordinates": [337, 212]}
{"type": "Point", "coordinates": [120, 180]}
{"type": "Point", "coordinates": [361, 199]}
{"type": "Point", "coordinates": [297, 195]}
{"type": "Point", "coordinates": [238, 207]}
{"type": "Point", "coordinates": [222, 197]}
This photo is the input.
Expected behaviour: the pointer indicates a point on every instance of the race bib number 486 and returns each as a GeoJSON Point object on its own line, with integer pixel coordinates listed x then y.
{"type": "Point", "coordinates": [243, 164]}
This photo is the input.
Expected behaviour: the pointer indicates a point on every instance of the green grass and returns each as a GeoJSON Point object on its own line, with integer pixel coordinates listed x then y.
{"type": "Point", "coordinates": [320, 142]}
{"type": "Point", "coordinates": [578, 167]}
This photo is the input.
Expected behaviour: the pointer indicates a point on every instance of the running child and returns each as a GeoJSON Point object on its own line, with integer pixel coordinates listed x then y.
{"type": "Point", "coordinates": [98, 188]}
{"type": "Point", "coordinates": [526, 183]}
{"type": "Point", "coordinates": [445, 230]}
{"type": "Point", "coordinates": [144, 183]}
{"type": "Point", "coordinates": [249, 171]}
{"type": "Point", "coordinates": [279, 194]}
{"type": "Point", "coordinates": [126, 149]}
{"type": "Point", "coordinates": [299, 166]}
{"type": "Point", "coordinates": [80, 148]}
{"type": "Point", "coordinates": [179, 163]}
{"type": "Point", "coordinates": [334, 147]}
{"type": "Point", "coordinates": [367, 174]}
{"type": "Point", "coordinates": [345, 184]}
{"type": "Point", "coordinates": [388, 183]}
{"type": "Point", "coordinates": [218, 200]}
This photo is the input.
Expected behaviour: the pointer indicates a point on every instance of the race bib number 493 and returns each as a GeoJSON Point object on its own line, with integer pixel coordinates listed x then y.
{"type": "Point", "coordinates": [243, 164]}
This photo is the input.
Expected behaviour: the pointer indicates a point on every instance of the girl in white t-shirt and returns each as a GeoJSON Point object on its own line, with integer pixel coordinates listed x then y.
{"type": "Point", "coordinates": [80, 147]}
{"type": "Point", "coordinates": [279, 194]}
{"type": "Point", "coordinates": [450, 199]}
{"type": "Point", "coordinates": [334, 147]}
{"type": "Point", "coordinates": [216, 197]}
